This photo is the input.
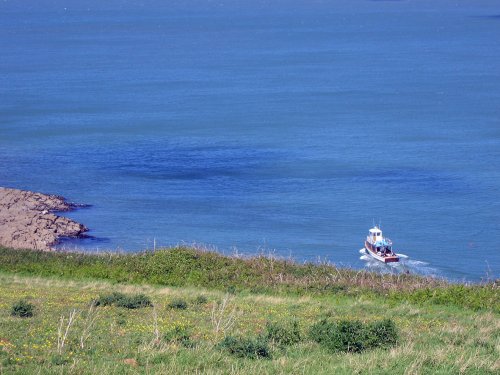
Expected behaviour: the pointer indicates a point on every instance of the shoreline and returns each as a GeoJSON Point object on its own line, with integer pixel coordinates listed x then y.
{"type": "Point", "coordinates": [28, 220]}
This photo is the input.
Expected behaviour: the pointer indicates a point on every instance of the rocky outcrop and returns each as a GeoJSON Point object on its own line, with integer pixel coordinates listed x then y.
{"type": "Point", "coordinates": [28, 221]}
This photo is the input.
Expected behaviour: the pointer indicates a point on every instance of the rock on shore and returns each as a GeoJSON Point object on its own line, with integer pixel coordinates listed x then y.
{"type": "Point", "coordinates": [27, 220]}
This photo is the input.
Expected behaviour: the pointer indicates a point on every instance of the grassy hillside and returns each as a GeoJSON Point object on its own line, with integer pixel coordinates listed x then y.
{"type": "Point", "coordinates": [190, 267]}
{"type": "Point", "coordinates": [200, 312]}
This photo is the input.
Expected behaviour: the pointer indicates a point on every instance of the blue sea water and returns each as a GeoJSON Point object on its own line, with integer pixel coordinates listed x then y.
{"type": "Point", "coordinates": [284, 126]}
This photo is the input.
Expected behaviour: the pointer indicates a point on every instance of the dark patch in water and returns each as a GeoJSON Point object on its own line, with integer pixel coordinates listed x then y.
{"type": "Point", "coordinates": [81, 205]}
{"type": "Point", "coordinates": [164, 161]}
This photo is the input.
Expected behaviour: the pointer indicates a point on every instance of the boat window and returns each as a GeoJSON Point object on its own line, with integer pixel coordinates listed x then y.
{"type": "Point", "coordinates": [378, 234]}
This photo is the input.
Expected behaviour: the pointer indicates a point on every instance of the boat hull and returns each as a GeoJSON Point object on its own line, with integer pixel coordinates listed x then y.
{"type": "Point", "coordinates": [386, 259]}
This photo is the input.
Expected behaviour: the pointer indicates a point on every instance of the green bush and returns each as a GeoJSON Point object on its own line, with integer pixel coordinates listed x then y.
{"type": "Point", "coordinates": [134, 301]}
{"type": "Point", "coordinates": [381, 334]}
{"type": "Point", "coordinates": [354, 336]}
{"type": "Point", "coordinates": [283, 333]}
{"type": "Point", "coordinates": [201, 300]}
{"type": "Point", "coordinates": [246, 347]}
{"type": "Point", "coordinates": [178, 304]}
{"type": "Point", "coordinates": [109, 299]}
{"type": "Point", "coordinates": [344, 336]}
{"type": "Point", "coordinates": [179, 335]}
{"type": "Point", "coordinates": [22, 309]}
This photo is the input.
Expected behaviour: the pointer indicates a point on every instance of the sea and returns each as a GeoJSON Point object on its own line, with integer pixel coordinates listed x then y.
{"type": "Point", "coordinates": [285, 128]}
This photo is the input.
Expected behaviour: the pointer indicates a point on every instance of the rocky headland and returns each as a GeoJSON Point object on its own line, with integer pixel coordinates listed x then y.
{"type": "Point", "coordinates": [28, 221]}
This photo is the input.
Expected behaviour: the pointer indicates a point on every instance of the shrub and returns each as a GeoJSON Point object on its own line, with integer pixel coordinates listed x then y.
{"type": "Point", "coordinates": [283, 333]}
{"type": "Point", "coordinates": [246, 347]}
{"type": "Point", "coordinates": [354, 336]}
{"type": "Point", "coordinates": [22, 309]}
{"type": "Point", "coordinates": [178, 304]}
{"type": "Point", "coordinates": [231, 289]}
{"type": "Point", "coordinates": [133, 301]}
{"type": "Point", "coordinates": [348, 336]}
{"type": "Point", "coordinates": [382, 334]}
{"type": "Point", "coordinates": [109, 299]}
{"type": "Point", "coordinates": [322, 331]}
{"type": "Point", "coordinates": [179, 335]}
{"type": "Point", "coordinates": [201, 300]}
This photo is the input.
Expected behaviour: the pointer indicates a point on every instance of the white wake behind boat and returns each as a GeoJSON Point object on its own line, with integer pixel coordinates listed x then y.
{"type": "Point", "coordinates": [380, 247]}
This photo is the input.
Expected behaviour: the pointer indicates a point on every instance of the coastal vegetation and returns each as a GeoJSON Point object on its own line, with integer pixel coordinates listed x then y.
{"type": "Point", "coordinates": [185, 310]}
{"type": "Point", "coordinates": [22, 309]}
{"type": "Point", "coordinates": [194, 267]}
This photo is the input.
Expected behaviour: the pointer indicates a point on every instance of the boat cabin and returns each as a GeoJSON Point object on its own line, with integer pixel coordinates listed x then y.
{"type": "Point", "coordinates": [378, 243]}
{"type": "Point", "coordinates": [375, 235]}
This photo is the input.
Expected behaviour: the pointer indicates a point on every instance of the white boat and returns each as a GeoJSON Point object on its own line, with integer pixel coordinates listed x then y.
{"type": "Point", "coordinates": [380, 247]}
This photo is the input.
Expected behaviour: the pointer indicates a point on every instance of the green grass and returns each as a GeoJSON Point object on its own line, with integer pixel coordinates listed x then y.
{"type": "Point", "coordinates": [183, 266]}
{"type": "Point", "coordinates": [432, 339]}
{"type": "Point", "coordinates": [241, 316]}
